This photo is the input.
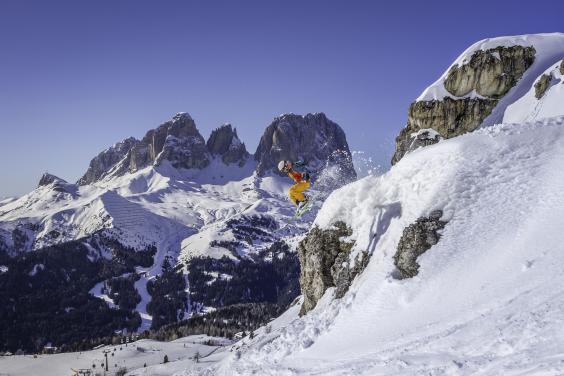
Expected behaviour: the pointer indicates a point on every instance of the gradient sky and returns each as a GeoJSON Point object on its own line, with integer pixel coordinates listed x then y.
{"type": "Point", "coordinates": [78, 76]}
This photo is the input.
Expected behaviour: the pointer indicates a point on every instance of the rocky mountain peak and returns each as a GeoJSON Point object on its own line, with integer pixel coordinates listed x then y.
{"type": "Point", "coordinates": [312, 137]}
{"type": "Point", "coordinates": [48, 178]}
{"type": "Point", "coordinates": [103, 162]}
{"type": "Point", "coordinates": [225, 142]}
{"type": "Point", "coordinates": [177, 141]}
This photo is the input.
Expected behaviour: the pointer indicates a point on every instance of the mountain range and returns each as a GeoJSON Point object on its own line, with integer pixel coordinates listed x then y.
{"type": "Point", "coordinates": [174, 224]}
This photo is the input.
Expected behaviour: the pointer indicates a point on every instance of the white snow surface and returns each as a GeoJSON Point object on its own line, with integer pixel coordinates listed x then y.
{"type": "Point", "coordinates": [133, 357]}
{"type": "Point", "coordinates": [489, 297]}
{"type": "Point", "coordinates": [529, 108]}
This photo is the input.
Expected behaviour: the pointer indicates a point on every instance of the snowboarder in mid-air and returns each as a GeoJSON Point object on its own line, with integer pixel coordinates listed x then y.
{"type": "Point", "coordinates": [302, 182]}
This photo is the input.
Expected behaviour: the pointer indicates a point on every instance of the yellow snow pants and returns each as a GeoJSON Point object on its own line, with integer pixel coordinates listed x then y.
{"type": "Point", "coordinates": [296, 191]}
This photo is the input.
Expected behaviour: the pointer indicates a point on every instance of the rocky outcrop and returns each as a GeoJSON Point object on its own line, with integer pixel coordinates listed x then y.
{"type": "Point", "coordinates": [47, 179]}
{"type": "Point", "coordinates": [416, 239]}
{"type": "Point", "coordinates": [562, 67]}
{"type": "Point", "coordinates": [313, 138]}
{"type": "Point", "coordinates": [491, 73]}
{"type": "Point", "coordinates": [57, 184]}
{"type": "Point", "coordinates": [325, 260]}
{"type": "Point", "coordinates": [106, 160]}
{"type": "Point", "coordinates": [542, 85]}
{"type": "Point", "coordinates": [448, 117]}
{"type": "Point", "coordinates": [225, 143]}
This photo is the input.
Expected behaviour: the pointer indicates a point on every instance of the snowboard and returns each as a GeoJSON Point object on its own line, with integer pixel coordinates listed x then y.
{"type": "Point", "coordinates": [304, 209]}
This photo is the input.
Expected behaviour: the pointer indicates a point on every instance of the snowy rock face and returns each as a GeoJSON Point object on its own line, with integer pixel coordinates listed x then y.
{"type": "Point", "coordinates": [472, 89]}
{"type": "Point", "coordinates": [324, 260]}
{"type": "Point", "coordinates": [47, 179]}
{"type": "Point", "coordinates": [225, 142]}
{"type": "Point", "coordinates": [177, 141]}
{"type": "Point", "coordinates": [491, 72]}
{"type": "Point", "coordinates": [543, 99]}
{"type": "Point", "coordinates": [107, 159]}
{"type": "Point", "coordinates": [415, 240]}
{"type": "Point", "coordinates": [57, 185]}
{"type": "Point", "coordinates": [312, 137]}
{"type": "Point", "coordinates": [449, 117]}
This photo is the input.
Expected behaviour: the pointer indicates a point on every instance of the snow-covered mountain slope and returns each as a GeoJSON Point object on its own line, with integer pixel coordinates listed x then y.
{"type": "Point", "coordinates": [488, 298]}
{"type": "Point", "coordinates": [551, 102]}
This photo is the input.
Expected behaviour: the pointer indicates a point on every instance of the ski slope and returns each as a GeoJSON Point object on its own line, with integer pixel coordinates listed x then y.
{"type": "Point", "coordinates": [489, 297]}
{"type": "Point", "coordinates": [143, 357]}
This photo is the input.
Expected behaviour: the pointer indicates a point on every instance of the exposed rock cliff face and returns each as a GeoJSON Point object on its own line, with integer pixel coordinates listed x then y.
{"type": "Point", "coordinates": [107, 159]}
{"type": "Point", "coordinates": [449, 117]}
{"type": "Point", "coordinates": [562, 67]}
{"type": "Point", "coordinates": [225, 142]}
{"type": "Point", "coordinates": [325, 262]}
{"type": "Point", "coordinates": [416, 239]}
{"type": "Point", "coordinates": [312, 137]}
{"type": "Point", "coordinates": [177, 141]}
{"type": "Point", "coordinates": [542, 85]}
{"type": "Point", "coordinates": [489, 73]}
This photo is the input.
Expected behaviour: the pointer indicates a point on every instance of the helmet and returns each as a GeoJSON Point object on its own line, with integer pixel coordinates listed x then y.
{"type": "Point", "coordinates": [282, 166]}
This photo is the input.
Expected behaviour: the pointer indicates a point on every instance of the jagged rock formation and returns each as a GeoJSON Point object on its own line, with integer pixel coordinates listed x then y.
{"type": "Point", "coordinates": [225, 142]}
{"type": "Point", "coordinates": [542, 85]}
{"type": "Point", "coordinates": [562, 67]}
{"type": "Point", "coordinates": [491, 72]}
{"type": "Point", "coordinates": [416, 239]}
{"type": "Point", "coordinates": [107, 159]}
{"type": "Point", "coordinates": [449, 117]}
{"type": "Point", "coordinates": [47, 179]}
{"type": "Point", "coordinates": [57, 184]}
{"type": "Point", "coordinates": [325, 262]}
{"type": "Point", "coordinates": [312, 137]}
{"type": "Point", "coordinates": [177, 141]}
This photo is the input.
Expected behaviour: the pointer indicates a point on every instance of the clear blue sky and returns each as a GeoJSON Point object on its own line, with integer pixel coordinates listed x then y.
{"type": "Point", "coordinates": [78, 76]}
